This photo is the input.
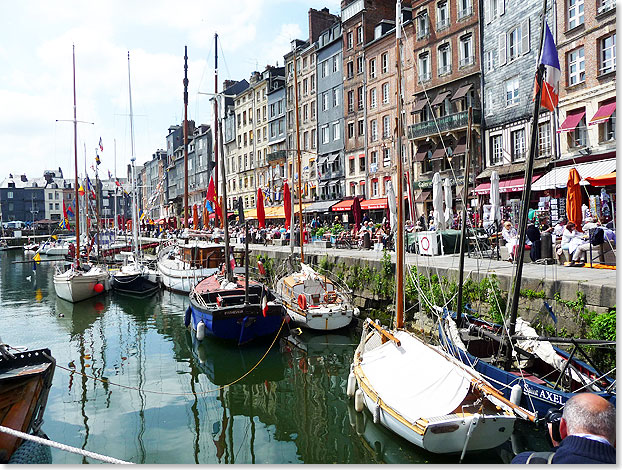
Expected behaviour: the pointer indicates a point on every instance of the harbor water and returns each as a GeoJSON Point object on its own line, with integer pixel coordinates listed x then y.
{"type": "Point", "coordinates": [132, 383]}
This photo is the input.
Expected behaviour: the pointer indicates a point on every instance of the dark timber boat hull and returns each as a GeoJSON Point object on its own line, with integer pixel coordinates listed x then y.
{"type": "Point", "coordinates": [138, 285]}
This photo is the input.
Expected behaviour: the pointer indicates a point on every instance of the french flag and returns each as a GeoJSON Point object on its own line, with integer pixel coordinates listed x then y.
{"type": "Point", "coordinates": [550, 82]}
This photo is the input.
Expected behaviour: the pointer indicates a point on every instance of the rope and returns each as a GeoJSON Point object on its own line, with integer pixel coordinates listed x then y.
{"type": "Point", "coordinates": [65, 447]}
{"type": "Point", "coordinates": [222, 387]}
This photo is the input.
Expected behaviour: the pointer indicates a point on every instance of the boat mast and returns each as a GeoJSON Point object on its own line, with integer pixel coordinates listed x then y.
{"type": "Point", "coordinates": [75, 156]}
{"type": "Point", "coordinates": [133, 160]}
{"type": "Point", "coordinates": [515, 294]}
{"type": "Point", "coordinates": [399, 239]}
{"type": "Point", "coordinates": [97, 213]}
{"type": "Point", "coordinates": [216, 221]}
{"type": "Point", "coordinates": [115, 225]}
{"type": "Point", "coordinates": [186, 137]}
{"type": "Point", "coordinates": [298, 163]}
{"type": "Point", "coordinates": [465, 192]}
{"type": "Point", "coordinates": [224, 196]}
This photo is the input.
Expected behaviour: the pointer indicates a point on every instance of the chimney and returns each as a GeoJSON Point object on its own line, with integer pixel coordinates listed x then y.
{"type": "Point", "coordinates": [319, 21]}
{"type": "Point", "coordinates": [228, 84]}
{"type": "Point", "coordinates": [24, 179]}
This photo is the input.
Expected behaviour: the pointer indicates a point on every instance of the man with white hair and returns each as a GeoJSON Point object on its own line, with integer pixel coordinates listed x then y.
{"type": "Point", "coordinates": [588, 434]}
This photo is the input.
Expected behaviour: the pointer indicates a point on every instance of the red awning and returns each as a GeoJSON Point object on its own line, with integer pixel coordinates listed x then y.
{"type": "Point", "coordinates": [352, 157]}
{"type": "Point", "coordinates": [603, 114]}
{"type": "Point", "coordinates": [343, 205]}
{"type": "Point", "coordinates": [505, 186]}
{"type": "Point", "coordinates": [603, 180]}
{"type": "Point", "coordinates": [370, 204]}
{"type": "Point", "coordinates": [571, 122]}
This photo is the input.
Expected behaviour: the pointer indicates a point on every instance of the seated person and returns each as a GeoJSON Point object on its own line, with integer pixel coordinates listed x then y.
{"type": "Point", "coordinates": [511, 239]}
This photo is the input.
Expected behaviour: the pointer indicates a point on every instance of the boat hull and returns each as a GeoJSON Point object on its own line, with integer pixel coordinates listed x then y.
{"type": "Point", "coordinates": [138, 284]}
{"type": "Point", "coordinates": [240, 323]}
{"type": "Point", "coordinates": [76, 287]}
{"type": "Point", "coordinates": [321, 319]}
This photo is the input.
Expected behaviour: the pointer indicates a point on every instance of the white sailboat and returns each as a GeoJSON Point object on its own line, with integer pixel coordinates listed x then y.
{"type": "Point", "coordinates": [135, 277]}
{"type": "Point", "coordinates": [79, 282]}
{"type": "Point", "coordinates": [416, 390]}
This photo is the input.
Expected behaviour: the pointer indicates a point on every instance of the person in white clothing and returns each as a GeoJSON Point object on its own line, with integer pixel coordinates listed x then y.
{"type": "Point", "coordinates": [511, 239]}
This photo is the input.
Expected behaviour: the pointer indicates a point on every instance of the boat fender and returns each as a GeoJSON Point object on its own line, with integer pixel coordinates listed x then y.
{"type": "Point", "coordinates": [99, 288]}
{"type": "Point", "coordinates": [351, 388]}
{"type": "Point", "coordinates": [302, 301]}
{"type": "Point", "coordinates": [376, 413]}
{"type": "Point", "coordinates": [200, 331]}
{"type": "Point", "coordinates": [187, 316]}
{"type": "Point", "coordinates": [516, 394]}
{"type": "Point", "coordinates": [359, 401]}
{"type": "Point", "coordinates": [357, 312]}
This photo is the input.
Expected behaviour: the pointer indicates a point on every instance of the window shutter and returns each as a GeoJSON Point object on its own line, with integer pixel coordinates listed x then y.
{"type": "Point", "coordinates": [502, 46]}
{"type": "Point", "coordinates": [501, 6]}
{"type": "Point", "coordinates": [525, 36]}
{"type": "Point", "coordinates": [487, 10]}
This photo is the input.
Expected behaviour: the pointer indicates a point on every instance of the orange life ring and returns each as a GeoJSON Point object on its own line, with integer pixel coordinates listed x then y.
{"type": "Point", "coordinates": [302, 301]}
{"type": "Point", "coordinates": [330, 297]}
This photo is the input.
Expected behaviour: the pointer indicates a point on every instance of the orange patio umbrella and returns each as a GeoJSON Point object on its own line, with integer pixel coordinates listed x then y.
{"type": "Point", "coordinates": [573, 198]}
{"type": "Point", "coordinates": [195, 216]}
{"type": "Point", "coordinates": [603, 180]}
{"type": "Point", "coordinates": [205, 216]}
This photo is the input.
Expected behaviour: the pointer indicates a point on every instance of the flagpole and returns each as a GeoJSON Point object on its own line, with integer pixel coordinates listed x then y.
{"type": "Point", "coordinates": [115, 191]}
{"type": "Point", "coordinates": [515, 294]}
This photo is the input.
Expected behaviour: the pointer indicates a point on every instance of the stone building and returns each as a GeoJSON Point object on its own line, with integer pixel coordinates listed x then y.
{"type": "Point", "coordinates": [446, 82]}
{"type": "Point", "coordinates": [277, 136]}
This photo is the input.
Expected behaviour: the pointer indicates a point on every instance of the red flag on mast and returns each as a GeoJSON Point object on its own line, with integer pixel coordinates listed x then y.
{"type": "Point", "coordinates": [261, 214]}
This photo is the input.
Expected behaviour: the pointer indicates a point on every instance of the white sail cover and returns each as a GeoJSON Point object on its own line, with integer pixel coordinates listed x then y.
{"type": "Point", "coordinates": [392, 206]}
{"type": "Point", "coordinates": [437, 202]}
{"type": "Point", "coordinates": [448, 202]}
{"type": "Point", "coordinates": [415, 379]}
{"type": "Point", "coordinates": [495, 199]}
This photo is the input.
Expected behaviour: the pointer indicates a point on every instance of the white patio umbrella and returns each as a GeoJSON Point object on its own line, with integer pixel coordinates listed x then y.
{"type": "Point", "coordinates": [392, 206]}
{"type": "Point", "coordinates": [437, 202]}
{"type": "Point", "coordinates": [495, 203]}
{"type": "Point", "coordinates": [448, 202]}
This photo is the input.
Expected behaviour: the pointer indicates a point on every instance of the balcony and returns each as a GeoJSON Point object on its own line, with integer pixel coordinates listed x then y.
{"type": "Point", "coordinates": [276, 156]}
{"type": "Point", "coordinates": [451, 122]}
{"type": "Point", "coordinates": [442, 24]}
{"type": "Point", "coordinates": [444, 70]}
{"type": "Point", "coordinates": [466, 61]}
{"type": "Point", "coordinates": [465, 12]}
{"type": "Point", "coordinates": [424, 77]}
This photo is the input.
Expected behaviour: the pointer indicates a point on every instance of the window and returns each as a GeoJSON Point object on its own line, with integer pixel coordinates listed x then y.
{"type": "Point", "coordinates": [312, 110]}
{"type": "Point", "coordinates": [335, 63]}
{"type": "Point", "coordinates": [360, 97]}
{"type": "Point", "coordinates": [544, 139]}
{"type": "Point", "coordinates": [424, 67]}
{"type": "Point", "coordinates": [324, 101]}
{"type": "Point", "coordinates": [361, 127]}
{"type": "Point", "coordinates": [518, 145]}
{"type": "Point", "coordinates": [350, 130]}
{"type": "Point", "coordinates": [608, 54]}
{"type": "Point", "coordinates": [51, 205]}
{"type": "Point", "coordinates": [608, 131]}
{"type": "Point", "coordinates": [578, 137]}
{"type": "Point", "coordinates": [359, 64]}
{"type": "Point", "coordinates": [384, 62]}
{"type": "Point", "coordinates": [359, 35]}
{"type": "Point", "coordinates": [325, 134]}
{"type": "Point", "coordinates": [305, 140]}
{"type": "Point", "coordinates": [312, 83]}
{"type": "Point", "coordinates": [305, 112]}
{"type": "Point", "coordinates": [305, 86]}
{"type": "Point", "coordinates": [374, 158]}
{"type": "Point", "coordinates": [442, 16]}
{"type": "Point", "coordinates": [336, 131]}
{"type": "Point", "coordinates": [324, 69]}
{"type": "Point", "coordinates": [50, 196]}
{"type": "Point", "coordinates": [313, 138]}
{"type": "Point", "coordinates": [489, 61]}
{"type": "Point", "coordinates": [386, 157]}
{"type": "Point", "coordinates": [465, 8]}
{"type": "Point", "coordinates": [351, 172]}
{"type": "Point", "coordinates": [496, 149]}
{"type": "Point", "coordinates": [514, 43]}
{"type": "Point", "coordinates": [304, 63]}
{"type": "Point", "coordinates": [350, 69]}
{"type": "Point", "coordinates": [385, 93]}
{"type": "Point", "coordinates": [575, 13]}
{"type": "Point", "coordinates": [386, 127]}
{"type": "Point", "coordinates": [423, 29]}
{"type": "Point", "coordinates": [511, 92]}
{"type": "Point", "coordinates": [374, 187]}
{"type": "Point", "coordinates": [372, 98]}
{"type": "Point", "coordinates": [349, 40]}
{"type": "Point", "coordinates": [335, 97]}
{"type": "Point", "coordinates": [466, 50]}
{"type": "Point", "coordinates": [605, 5]}
{"type": "Point", "coordinates": [372, 68]}
{"type": "Point", "coordinates": [374, 130]}
{"type": "Point", "coordinates": [576, 66]}
{"type": "Point", "coordinates": [362, 163]}
{"type": "Point", "coordinates": [9, 194]}
{"type": "Point", "coordinates": [444, 59]}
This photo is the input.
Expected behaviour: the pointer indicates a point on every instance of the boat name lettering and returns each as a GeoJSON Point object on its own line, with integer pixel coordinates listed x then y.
{"type": "Point", "coordinates": [547, 395]}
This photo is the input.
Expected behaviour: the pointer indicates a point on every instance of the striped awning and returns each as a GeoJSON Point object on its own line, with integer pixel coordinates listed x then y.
{"type": "Point", "coordinates": [557, 178]}
{"type": "Point", "coordinates": [603, 114]}
{"type": "Point", "coordinates": [572, 121]}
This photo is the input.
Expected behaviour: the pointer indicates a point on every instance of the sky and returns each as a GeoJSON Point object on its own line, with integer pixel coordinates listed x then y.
{"type": "Point", "coordinates": [36, 85]}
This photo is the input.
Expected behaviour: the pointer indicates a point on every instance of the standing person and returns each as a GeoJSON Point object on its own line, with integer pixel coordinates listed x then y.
{"type": "Point", "coordinates": [587, 430]}
{"type": "Point", "coordinates": [511, 239]}
{"type": "Point", "coordinates": [533, 235]}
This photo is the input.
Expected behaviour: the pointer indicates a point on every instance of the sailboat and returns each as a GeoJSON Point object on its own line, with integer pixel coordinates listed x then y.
{"type": "Point", "coordinates": [417, 390]}
{"type": "Point", "coordinates": [229, 305]}
{"type": "Point", "coordinates": [312, 300]}
{"type": "Point", "coordinates": [135, 278]}
{"type": "Point", "coordinates": [524, 365]}
{"type": "Point", "coordinates": [182, 264]}
{"type": "Point", "coordinates": [79, 282]}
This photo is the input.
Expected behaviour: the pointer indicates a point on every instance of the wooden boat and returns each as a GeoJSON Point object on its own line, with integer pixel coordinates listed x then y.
{"type": "Point", "coordinates": [183, 265]}
{"type": "Point", "coordinates": [427, 396]}
{"type": "Point", "coordinates": [223, 309]}
{"type": "Point", "coordinates": [25, 381]}
{"type": "Point", "coordinates": [312, 300]}
{"type": "Point", "coordinates": [77, 284]}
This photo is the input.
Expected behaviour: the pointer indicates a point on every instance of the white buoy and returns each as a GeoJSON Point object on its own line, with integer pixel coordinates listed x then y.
{"type": "Point", "coordinates": [516, 394]}
{"type": "Point", "coordinates": [351, 387]}
{"type": "Point", "coordinates": [359, 401]}
{"type": "Point", "coordinates": [200, 331]}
